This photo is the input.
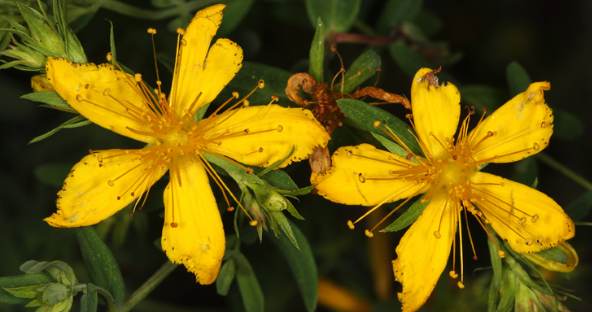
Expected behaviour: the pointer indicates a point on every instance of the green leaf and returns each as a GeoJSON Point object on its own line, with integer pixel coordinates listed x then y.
{"type": "Point", "coordinates": [112, 43]}
{"type": "Point", "coordinates": [89, 301]}
{"type": "Point", "coordinates": [391, 146]}
{"type": "Point", "coordinates": [580, 207]}
{"type": "Point", "coordinates": [292, 210]}
{"type": "Point", "coordinates": [366, 64]}
{"type": "Point", "coordinates": [102, 267]}
{"type": "Point", "coordinates": [553, 254]}
{"type": "Point", "coordinates": [397, 11]}
{"type": "Point", "coordinates": [237, 173]}
{"type": "Point", "coordinates": [492, 298]}
{"type": "Point", "coordinates": [483, 96]}
{"type": "Point", "coordinates": [496, 263]}
{"type": "Point", "coordinates": [52, 174]}
{"type": "Point", "coordinates": [567, 126]}
{"type": "Point", "coordinates": [75, 122]}
{"type": "Point", "coordinates": [249, 286]}
{"type": "Point", "coordinates": [302, 264]}
{"type": "Point", "coordinates": [317, 53]}
{"type": "Point", "coordinates": [59, 270]}
{"type": "Point", "coordinates": [26, 292]}
{"type": "Point", "coordinates": [410, 62]}
{"type": "Point", "coordinates": [52, 99]}
{"type": "Point", "coordinates": [234, 13]}
{"type": "Point", "coordinates": [518, 79]}
{"type": "Point", "coordinates": [283, 222]}
{"type": "Point", "coordinates": [225, 278]}
{"type": "Point", "coordinates": [302, 191]}
{"type": "Point", "coordinates": [199, 115]}
{"type": "Point", "coordinates": [337, 15]}
{"type": "Point", "coordinates": [408, 217]}
{"type": "Point", "coordinates": [39, 278]}
{"type": "Point", "coordinates": [277, 163]}
{"type": "Point", "coordinates": [279, 179]}
{"type": "Point", "coordinates": [247, 79]}
{"type": "Point", "coordinates": [364, 115]}
{"type": "Point", "coordinates": [508, 290]}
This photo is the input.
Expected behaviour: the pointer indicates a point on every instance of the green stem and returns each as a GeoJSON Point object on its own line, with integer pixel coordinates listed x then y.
{"type": "Point", "coordinates": [583, 223]}
{"type": "Point", "coordinates": [111, 305]}
{"type": "Point", "coordinates": [132, 11]}
{"type": "Point", "coordinates": [564, 170]}
{"type": "Point", "coordinates": [148, 286]}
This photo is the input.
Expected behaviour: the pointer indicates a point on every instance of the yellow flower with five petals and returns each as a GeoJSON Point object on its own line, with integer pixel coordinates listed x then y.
{"type": "Point", "coordinates": [450, 178]}
{"type": "Point", "coordinates": [105, 182]}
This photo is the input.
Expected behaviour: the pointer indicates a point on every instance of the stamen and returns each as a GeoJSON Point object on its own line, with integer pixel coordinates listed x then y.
{"type": "Point", "coordinates": [369, 233]}
{"type": "Point", "coordinates": [350, 224]}
{"type": "Point", "coordinates": [253, 223]}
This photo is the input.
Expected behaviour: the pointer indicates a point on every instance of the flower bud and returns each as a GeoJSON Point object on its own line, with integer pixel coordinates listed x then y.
{"type": "Point", "coordinates": [39, 83]}
{"type": "Point", "coordinates": [275, 201]}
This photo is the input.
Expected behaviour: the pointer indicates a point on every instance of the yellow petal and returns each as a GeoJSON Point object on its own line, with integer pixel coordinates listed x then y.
{"type": "Point", "coordinates": [505, 206]}
{"type": "Point", "coordinates": [436, 110]}
{"type": "Point", "coordinates": [197, 75]}
{"type": "Point", "coordinates": [197, 241]}
{"type": "Point", "coordinates": [344, 185]}
{"type": "Point", "coordinates": [262, 135]}
{"type": "Point", "coordinates": [94, 190]}
{"type": "Point", "coordinates": [83, 87]}
{"type": "Point", "coordinates": [522, 127]}
{"type": "Point", "coordinates": [421, 256]}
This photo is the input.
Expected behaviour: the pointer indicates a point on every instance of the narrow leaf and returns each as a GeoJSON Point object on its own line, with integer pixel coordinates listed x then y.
{"type": "Point", "coordinates": [277, 163]}
{"type": "Point", "coordinates": [518, 78]}
{"type": "Point", "coordinates": [397, 11]}
{"type": "Point", "coordinates": [317, 52]}
{"type": "Point", "coordinates": [364, 115]}
{"type": "Point", "coordinates": [102, 267]}
{"type": "Point", "coordinates": [408, 217]}
{"type": "Point", "coordinates": [75, 122]}
{"type": "Point", "coordinates": [279, 179]}
{"type": "Point", "coordinates": [226, 276]}
{"type": "Point", "coordinates": [337, 15]}
{"type": "Point", "coordinates": [303, 266]}
{"type": "Point", "coordinates": [496, 263]}
{"type": "Point", "coordinates": [366, 64]}
{"type": "Point", "coordinates": [410, 62]}
{"type": "Point", "coordinates": [285, 225]}
{"type": "Point", "coordinates": [554, 254]}
{"type": "Point", "coordinates": [89, 301]}
{"type": "Point", "coordinates": [391, 146]}
{"type": "Point", "coordinates": [21, 281]}
{"type": "Point", "coordinates": [52, 99]}
{"type": "Point", "coordinates": [580, 207]}
{"type": "Point", "coordinates": [249, 287]}
{"type": "Point", "coordinates": [112, 43]}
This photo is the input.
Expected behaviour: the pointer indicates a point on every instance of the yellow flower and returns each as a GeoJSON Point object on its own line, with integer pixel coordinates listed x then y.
{"type": "Point", "coordinates": [450, 178]}
{"type": "Point", "coordinates": [104, 182]}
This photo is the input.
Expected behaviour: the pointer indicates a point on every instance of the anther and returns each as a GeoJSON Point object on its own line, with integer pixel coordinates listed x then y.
{"type": "Point", "coordinates": [489, 133]}
{"type": "Point", "coordinates": [158, 82]}
{"type": "Point", "coordinates": [280, 128]}
{"type": "Point", "coordinates": [475, 258]}
{"type": "Point", "coordinates": [261, 150]}
{"type": "Point", "coordinates": [246, 103]}
{"type": "Point", "coordinates": [437, 234]}
{"type": "Point", "coordinates": [183, 42]}
{"type": "Point", "coordinates": [275, 98]}
{"type": "Point", "coordinates": [174, 224]}
{"type": "Point", "coordinates": [368, 233]}
{"type": "Point", "coordinates": [110, 183]}
{"type": "Point", "coordinates": [376, 124]}
{"type": "Point", "coordinates": [253, 223]}
{"type": "Point", "coordinates": [522, 220]}
{"type": "Point", "coordinates": [230, 209]}
{"type": "Point", "coordinates": [460, 285]}
{"type": "Point", "coordinates": [453, 274]}
{"type": "Point", "coordinates": [501, 254]}
{"type": "Point", "coordinates": [249, 170]}
{"type": "Point", "coordinates": [261, 84]}
{"type": "Point", "coordinates": [109, 57]}
{"type": "Point", "coordinates": [106, 92]}
{"type": "Point", "coordinates": [539, 240]}
{"type": "Point", "coordinates": [361, 178]}
{"type": "Point", "coordinates": [79, 98]}
{"type": "Point", "coordinates": [152, 31]}
{"type": "Point", "coordinates": [544, 124]}
{"type": "Point", "coordinates": [528, 241]}
{"type": "Point", "coordinates": [534, 218]}
{"type": "Point", "coordinates": [138, 77]}
{"type": "Point", "coordinates": [86, 86]}
{"type": "Point", "coordinates": [100, 158]}
{"type": "Point", "coordinates": [180, 31]}
{"type": "Point", "coordinates": [350, 224]}
{"type": "Point", "coordinates": [535, 146]}
{"type": "Point", "coordinates": [349, 154]}
{"type": "Point", "coordinates": [235, 94]}
{"type": "Point", "coordinates": [131, 215]}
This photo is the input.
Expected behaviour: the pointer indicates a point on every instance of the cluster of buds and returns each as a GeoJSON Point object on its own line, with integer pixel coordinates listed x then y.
{"type": "Point", "coordinates": [42, 37]}
{"type": "Point", "coordinates": [53, 286]}
{"type": "Point", "coordinates": [529, 294]}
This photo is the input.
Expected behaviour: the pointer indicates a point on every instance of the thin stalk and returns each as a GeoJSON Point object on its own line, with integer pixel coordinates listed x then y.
{"type": "Point", "coordinates": [148, 286]}
{"type": "Point", "coordinates": [132, 11]}
{"type": "Point", "coordinates": [564, 170]}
